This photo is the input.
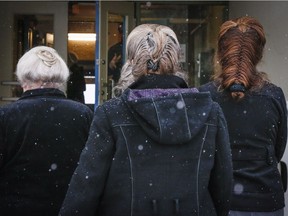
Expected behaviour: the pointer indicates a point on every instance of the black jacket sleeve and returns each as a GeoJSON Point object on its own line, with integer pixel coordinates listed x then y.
{"type": "Point", "coordinates": [220, 185]}
{"type": "Point", "coordinates": [282, 125]}
{"type": "Point", "coordinates": [88, 180]}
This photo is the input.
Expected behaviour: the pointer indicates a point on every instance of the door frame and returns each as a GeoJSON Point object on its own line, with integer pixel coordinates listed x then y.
{"type": "Point", "coordinates": [8, 10]}
{"type": "Point", "coordinates": [103, 8]}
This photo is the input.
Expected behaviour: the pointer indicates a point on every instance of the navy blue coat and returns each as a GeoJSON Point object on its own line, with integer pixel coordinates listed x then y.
{"type": "Point", "coordinates": [258, 134]}
{"type": "Point", "coordinates": [41, 137]}
{"type": "Point", "coordinates": [157, 150]}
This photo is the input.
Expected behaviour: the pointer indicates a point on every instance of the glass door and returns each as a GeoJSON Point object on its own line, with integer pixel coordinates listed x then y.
{"type": "Point", "coordinates": [115, 22]}
{"type": "Point", "coordinates": [196, 24]}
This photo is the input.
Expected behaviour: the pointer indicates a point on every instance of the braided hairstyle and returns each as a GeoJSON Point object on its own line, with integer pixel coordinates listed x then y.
{"type": "Point", "coordinates": [150, 48]}
{"type": "Point", "coordinates": [240, 48]}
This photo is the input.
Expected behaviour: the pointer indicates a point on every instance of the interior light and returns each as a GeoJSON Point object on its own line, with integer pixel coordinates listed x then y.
{"type": "Point", "coordinates": [49, 38]}
{"type": "Point", "coordinates": [82, 36]}
{"type": "Point", "coordinates": [89, 94]}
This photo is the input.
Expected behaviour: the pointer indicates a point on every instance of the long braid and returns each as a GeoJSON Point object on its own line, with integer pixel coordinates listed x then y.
{"type": "Point", "coordinates": [240, 48]}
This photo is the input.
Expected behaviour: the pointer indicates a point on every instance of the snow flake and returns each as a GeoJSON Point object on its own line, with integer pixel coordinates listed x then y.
{"type": "Point", "coordinates": [172, 110]}
{"type": "Point", "coordinates": [180, 105]}
{"type": "Point", "coordinates": [238, 188]}
{"type": "Point", "coordinates": [53, 166]}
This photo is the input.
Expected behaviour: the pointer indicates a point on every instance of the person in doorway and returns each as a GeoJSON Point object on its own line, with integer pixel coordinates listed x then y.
{"type": "Point", "coordinates": [115, 58]}
{"type": "Point", "coordinates": [255, 111]}
{"type": "Point", "coordinates": [158, 147]}
{"type": "Point", "coordinates": [76, 83]}
{"type": "Point", "coordinates": [41, 137]}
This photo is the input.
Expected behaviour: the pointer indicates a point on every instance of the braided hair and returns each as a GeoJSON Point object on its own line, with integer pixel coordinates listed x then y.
{"type": "Point", "coordinates": [240, 48]}
{"type": "Point", "coordinates": [150, 48]}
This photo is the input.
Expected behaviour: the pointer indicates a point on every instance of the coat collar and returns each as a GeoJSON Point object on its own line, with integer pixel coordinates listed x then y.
{"type": "Point", "coordinates": [51, 92]}
{"type": "Point", "coordinates": [152, 81]}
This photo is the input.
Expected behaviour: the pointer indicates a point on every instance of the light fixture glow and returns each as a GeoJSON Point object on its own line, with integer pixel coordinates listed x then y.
{"type": "Point", "coordinates": [82, 36]}
{"type": "Point", "coordinates": [49, 38]}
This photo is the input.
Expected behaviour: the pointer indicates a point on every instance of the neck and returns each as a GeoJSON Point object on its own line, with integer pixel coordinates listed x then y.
{"type": "Point", "coordinates": [37, 85]}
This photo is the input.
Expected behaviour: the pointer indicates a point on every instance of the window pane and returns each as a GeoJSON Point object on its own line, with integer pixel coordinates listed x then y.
{"type": "Point", "coordinates": [196, 26]}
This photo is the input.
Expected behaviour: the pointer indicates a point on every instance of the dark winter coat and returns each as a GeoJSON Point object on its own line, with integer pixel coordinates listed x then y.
{"type": "Point", "coordinates": [157, 151]}
{"type": "Point", "coordinates": [258, 132]}
{"type": "Point", "coordinates": [41, 137]}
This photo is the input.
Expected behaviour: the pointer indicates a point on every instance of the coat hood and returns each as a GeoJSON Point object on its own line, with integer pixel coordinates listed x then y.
{"type": "Point", "coordinates": [169, 116]}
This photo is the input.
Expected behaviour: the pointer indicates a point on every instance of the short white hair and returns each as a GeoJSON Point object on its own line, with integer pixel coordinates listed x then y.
{"type": "Point", "coordinates": [42, 64]}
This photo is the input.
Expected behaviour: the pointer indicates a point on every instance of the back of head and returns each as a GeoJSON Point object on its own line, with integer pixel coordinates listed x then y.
{"type": "Point", "coordinates": [42, 67]}
{"type": "Point", "coordinates": [240, 48]}
{"type": "Point", "coordinates": [150, 49]}
{"type": "Point", "coordinates": [72, 59]}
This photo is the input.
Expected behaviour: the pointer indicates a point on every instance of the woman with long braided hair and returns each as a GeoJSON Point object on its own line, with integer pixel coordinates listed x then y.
{"type": "Point", "coordinates": [255, 111]}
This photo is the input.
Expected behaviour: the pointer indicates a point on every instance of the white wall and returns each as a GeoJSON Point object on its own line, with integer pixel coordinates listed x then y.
{"type": "Point", "coordinates": [273, 16]}
{"type": "Point", "coordinates": [7, 11]}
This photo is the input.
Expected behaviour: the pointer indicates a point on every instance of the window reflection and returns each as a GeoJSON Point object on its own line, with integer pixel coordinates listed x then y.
{"type": "Point", "coordinates": [82, 43]}
{"type": "Point", "coordinates": [116, 51]}
{"type": "Point", "coordinates": [196, 25]}
{"type": "Point", "coordinates": [30, 31]}
{"type": "Point", "coordinates": [33, 30]}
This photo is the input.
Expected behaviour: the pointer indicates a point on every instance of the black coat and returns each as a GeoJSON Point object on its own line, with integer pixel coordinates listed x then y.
{"type": "Point", "coordinates": [76, 84]}
{"type": "Point", "coordinates": [157, 151]}
{"type": "Point", "coordinates": [258, 133]}
{"type": "Point", "coordinates": [41, 137]}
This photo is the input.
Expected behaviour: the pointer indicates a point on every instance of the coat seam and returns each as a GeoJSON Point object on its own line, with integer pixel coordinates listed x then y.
{"type": "Point", "coordinates": [131, 172]}
{"type": "Point", "coordinates": [120, 125]}
{"type": "Point", "coordinates": [157, 118]}
{"type": "Point", "coordinates": [186, 116]}
{"type": "Point", "coordinates": [198, 168]}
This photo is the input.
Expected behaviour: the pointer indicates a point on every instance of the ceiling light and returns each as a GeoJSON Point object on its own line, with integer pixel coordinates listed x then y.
{"type": "Point", "coordinates": [82, 36]}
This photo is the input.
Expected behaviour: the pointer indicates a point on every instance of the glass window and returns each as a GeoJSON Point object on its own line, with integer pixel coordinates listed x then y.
{"type": "Point", "coordinates": [81, 52]}
{"type": "Point", "coordinates": [30, 30]}
{"type": "Point", "coordinates": [116, 51]}
{"type": "Point", "coordinates": [196, 25]}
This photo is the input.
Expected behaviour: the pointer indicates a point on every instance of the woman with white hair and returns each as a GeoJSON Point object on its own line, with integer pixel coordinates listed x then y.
{"type": "Point", "coordinates": [159, 147]}
{"type": "Point", "coordinates": [42, 67]}
{"type": "Point", "coordinates": [41, 137]}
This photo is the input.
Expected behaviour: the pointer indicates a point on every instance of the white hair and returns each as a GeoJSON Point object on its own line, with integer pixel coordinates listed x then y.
{"type": "Point", "coordinates": [42, 66]}
{"type": "Point", "coordinates": [150, 48]}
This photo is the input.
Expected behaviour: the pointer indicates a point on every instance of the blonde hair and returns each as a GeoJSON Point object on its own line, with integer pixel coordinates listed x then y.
{"type": "Point", "coordinates": [150, 48]}
{"type": "Point", "coordinates": [42, 66]}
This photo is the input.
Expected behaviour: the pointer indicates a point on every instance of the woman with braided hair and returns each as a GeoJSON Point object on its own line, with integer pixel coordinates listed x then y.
{"type": "Point", "coordinates": [255, 111]}
{"type": "Point", "coordinates": [158, 148]}
{"type": "Point", "coordinates": [150, 55]}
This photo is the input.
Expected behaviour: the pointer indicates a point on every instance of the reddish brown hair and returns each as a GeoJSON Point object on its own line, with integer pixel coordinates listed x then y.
{"type": "Point", "coordinates": [240, 48]}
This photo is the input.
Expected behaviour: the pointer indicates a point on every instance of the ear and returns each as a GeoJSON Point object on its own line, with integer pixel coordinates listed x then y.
{"type": "Point", "coordinates": [25, 87]}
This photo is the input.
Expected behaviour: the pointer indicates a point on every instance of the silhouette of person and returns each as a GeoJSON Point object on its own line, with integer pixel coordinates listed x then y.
{"type": "Point", "coordinates": [115, 53]}
{"type": "Point", "coordinates": [76, 84]}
